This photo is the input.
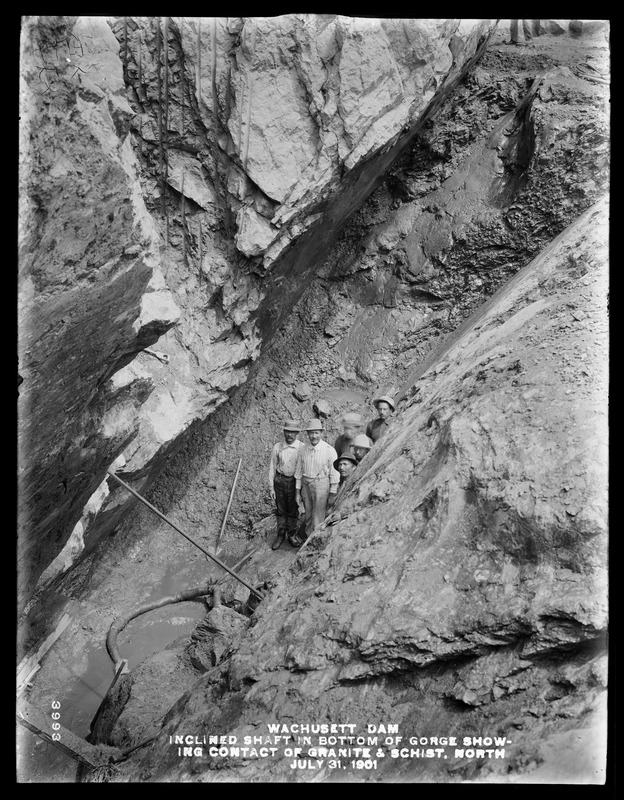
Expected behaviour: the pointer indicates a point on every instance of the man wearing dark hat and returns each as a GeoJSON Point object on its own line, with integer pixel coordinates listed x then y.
{"type": "Point", "coordinates": [316, 480]}
{"type": "Point", "coordinates": [282, 483]}
{"type": "Point", "coordinates": [351, 425]}
{"type": "Point", "coordinates": [345, 464]}
{"type": "Point", "coordinates": [385, 408]}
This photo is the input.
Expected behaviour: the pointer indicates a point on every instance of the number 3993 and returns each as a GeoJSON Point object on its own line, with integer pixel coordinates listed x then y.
{"type": "Point", "coordinates": [56, 725]}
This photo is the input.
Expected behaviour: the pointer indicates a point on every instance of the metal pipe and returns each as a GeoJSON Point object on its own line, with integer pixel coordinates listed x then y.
{"type": "Point", "coordinates": [186, 536]}
{"type": "Point", "coordinates": [120, 623]}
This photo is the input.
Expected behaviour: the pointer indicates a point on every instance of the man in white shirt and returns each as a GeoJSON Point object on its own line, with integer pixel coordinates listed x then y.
{"type": "Point", "coordinates": [282, 484]}
{"type": "Point", "coordinates": [316, 480]}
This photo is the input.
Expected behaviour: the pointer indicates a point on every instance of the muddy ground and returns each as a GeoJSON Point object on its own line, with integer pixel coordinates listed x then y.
{"type": "Point", "coordinates": [146, 559]}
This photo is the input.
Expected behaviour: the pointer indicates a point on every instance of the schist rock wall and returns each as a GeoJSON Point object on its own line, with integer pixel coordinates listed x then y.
{"type": "Point", "coordinates": [180, 182]}
{"type": "Point", "coordinates": [459, 587]}
{"type": "Point", "coordinates": [518, 153]}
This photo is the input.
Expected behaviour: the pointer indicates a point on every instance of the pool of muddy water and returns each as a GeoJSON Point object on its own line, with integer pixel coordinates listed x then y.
{"type": "Point", "coordinates": [40, 762]}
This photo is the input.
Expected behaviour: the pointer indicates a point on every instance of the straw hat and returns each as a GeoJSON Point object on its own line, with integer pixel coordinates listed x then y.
{"type": "Point", "coordinates": [314, 425]}
{"type": "Point", "coordinates": [291, 425]}
{"type": "Point", "coordinates": [362, 441]}
{"type": "Point", "coordinates": [385, 399]}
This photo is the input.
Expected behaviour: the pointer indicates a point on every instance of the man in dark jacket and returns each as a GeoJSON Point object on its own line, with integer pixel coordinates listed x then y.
{"type": "Point", "coordinates": [385, 409]}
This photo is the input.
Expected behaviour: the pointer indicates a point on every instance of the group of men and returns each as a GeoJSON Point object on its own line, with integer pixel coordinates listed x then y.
{"type": "Point", "coordinates": [306, 477]}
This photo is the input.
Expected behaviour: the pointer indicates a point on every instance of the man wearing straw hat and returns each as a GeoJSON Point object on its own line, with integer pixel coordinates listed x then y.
{"type": "Point", "coordinates": [385, 408]}
{"type": "Point", "coordinates": [282, 483]}
{"type": "Point", "coordinates": [316, 480]}
{"type": "Point", "coordinates": [360, 446]}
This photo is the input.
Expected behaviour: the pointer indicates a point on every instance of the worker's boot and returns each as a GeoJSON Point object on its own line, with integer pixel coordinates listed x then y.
{"type": "Point", "coordinates": [279, 540]}
{"type": "Point", "coordinates": [294, 536]}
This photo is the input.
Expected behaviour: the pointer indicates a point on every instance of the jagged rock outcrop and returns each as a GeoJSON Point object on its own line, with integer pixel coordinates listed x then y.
{"type": "Point", "coordinates": [473, 203]}
{"type": "Point", "coordinates": [186, 177]}
{"type": "Point", "coordinates": [213, 635]}
{"type": "Point", "coordinates": [462, 576]}
{"type": "Point", "coordinates": [162, 678]}
{"type": "Point", "coordinates": [89, 296]}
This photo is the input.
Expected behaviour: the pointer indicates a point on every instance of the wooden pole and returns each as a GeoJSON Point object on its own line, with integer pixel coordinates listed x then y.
{"type": "Point", "coordinates": [61, 738]}
{"type": "Point", "coordinates": [186, 536]}
{"type": "Point", "coordinates": [227, 510]}
{"type": "Point", "coordinates": [238, 564]}
{"type": "Point", "coordinates": [96, 735]}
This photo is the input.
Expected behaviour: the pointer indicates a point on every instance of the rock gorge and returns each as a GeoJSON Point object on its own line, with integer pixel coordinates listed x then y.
{"type": "Point", "coordinates": [458, 587]}
{"type": "Point", "coordinates": [225, 222]}
{"type": "Point", "coordinates": [185, 175]}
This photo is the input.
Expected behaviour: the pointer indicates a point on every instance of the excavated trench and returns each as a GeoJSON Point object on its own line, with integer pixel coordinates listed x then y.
{"type": "Point", "coordinates": [349, 336]}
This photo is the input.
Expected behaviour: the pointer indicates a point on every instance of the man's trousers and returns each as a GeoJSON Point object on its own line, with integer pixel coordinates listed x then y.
{"type": "Point", "coordinates": [528, 29]}
{"type": "Point", "coordinates": [314, 493]}
{"type": "Point", "coordinates": [286, 509]}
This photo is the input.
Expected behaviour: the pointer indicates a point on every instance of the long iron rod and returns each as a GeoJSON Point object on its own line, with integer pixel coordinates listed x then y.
{"type": "Point", "coordinates": [227, 510]}
{"type": "Point", "coordinates": [186, 536]}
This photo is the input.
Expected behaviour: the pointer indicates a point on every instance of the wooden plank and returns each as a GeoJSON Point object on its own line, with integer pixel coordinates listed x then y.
{"type": "Point", "coordinates": [111, 706]}
{"type": "Point", "coordinates": [29, 665]}
{"type": "Point", "coordinates": [34, 720]}
{"type": "Point", "coordinates": [123, 667]}
{"type": "Point", "coordinates": [48, 642]}
{"type": "Point", "coordinates": [24, 682]}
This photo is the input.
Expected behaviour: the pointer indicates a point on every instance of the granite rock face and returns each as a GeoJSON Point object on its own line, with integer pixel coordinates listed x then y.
{"type": "Point", "coordinates": [317, 95]}
{"type": "Point", "coordinates": [172, 174]}
{"type": "Point", "coordinates": [462, 574]}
